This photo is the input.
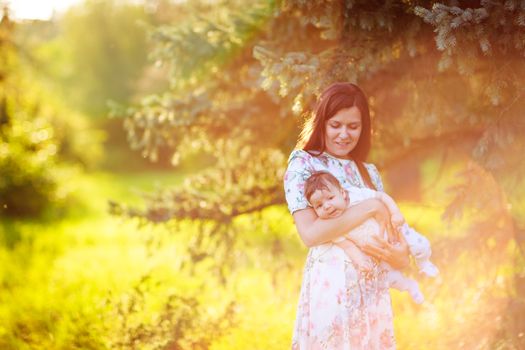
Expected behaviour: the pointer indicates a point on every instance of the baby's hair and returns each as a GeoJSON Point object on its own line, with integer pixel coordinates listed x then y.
{"type": "Point", "coordinates": [319, 181]}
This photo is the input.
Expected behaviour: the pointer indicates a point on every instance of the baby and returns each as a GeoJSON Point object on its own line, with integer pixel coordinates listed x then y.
{"type": "Point", "coordinates": [325, 194]}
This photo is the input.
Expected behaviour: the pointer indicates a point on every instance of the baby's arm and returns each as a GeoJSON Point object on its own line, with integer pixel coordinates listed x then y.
{"type": "Point", "coordinates": [397, 218]}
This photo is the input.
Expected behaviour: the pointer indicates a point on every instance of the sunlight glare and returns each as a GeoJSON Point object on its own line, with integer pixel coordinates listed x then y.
{"type": "Point", "coordinates": [38, 9]}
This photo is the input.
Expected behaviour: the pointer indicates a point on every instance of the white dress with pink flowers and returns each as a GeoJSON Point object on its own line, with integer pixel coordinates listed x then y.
{"type": "Point", "coordinates": [340, 307]}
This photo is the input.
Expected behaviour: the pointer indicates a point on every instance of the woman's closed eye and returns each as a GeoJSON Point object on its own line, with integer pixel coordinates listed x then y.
{"type": "Point", "coordinates": [353, 126]}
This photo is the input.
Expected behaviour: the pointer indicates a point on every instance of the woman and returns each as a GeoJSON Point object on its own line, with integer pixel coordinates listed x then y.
{"type": "Point", "coordinates": [340, 307]}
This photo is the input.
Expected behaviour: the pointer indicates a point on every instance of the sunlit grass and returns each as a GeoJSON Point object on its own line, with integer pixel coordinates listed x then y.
{"type": "Point", "coordinates": [61, 272]}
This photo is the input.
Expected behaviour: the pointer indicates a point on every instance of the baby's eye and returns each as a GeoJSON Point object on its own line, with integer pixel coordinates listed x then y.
{"type": "Point", "coordinates": [331, 197]}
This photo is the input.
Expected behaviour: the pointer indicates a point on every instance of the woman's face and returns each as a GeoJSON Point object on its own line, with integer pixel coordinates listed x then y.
{"type": "Point", "coordinates": [342, 132]}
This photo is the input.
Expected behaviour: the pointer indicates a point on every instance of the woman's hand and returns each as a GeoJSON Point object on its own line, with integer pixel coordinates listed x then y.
{"type": "Point", "coordinates": [396, 254]}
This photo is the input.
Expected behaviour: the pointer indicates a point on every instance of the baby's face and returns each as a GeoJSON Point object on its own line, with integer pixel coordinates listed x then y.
{"type": "Point", "coordinates": [328, 203]}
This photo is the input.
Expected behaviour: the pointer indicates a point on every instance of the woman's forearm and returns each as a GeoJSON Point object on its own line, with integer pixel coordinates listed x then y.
{"type": "Point", "coordinates": [315, 231]}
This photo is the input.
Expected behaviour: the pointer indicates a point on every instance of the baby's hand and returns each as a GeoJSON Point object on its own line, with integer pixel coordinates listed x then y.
{"type": "Point", "coordinates": [397, 220]}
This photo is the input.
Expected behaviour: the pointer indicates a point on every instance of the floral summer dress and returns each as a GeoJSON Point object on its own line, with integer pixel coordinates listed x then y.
{"type": "Point", "coordinates": [340, 307]}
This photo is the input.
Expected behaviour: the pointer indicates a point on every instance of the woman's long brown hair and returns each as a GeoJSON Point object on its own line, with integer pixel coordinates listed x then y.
{"type": "Point", "coordinates": [334, 98]}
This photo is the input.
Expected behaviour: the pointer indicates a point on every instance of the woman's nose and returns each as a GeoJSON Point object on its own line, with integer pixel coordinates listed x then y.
{"type": "Point", "coordinates": [344, 134]}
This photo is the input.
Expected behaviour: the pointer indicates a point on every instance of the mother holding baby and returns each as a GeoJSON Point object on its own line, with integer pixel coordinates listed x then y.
{"type": "Point", "coordinates": [340, 306]}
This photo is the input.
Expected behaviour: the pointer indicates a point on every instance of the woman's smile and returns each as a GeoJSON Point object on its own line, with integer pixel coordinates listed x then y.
{"type": "Point", "coordinates": [343, 144]}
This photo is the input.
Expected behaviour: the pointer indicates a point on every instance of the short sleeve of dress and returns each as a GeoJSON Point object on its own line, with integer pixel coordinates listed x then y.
{"type": "Point", "coordinates": [299, 169]}
{"type": "Point", "coordinates": [374, 175]}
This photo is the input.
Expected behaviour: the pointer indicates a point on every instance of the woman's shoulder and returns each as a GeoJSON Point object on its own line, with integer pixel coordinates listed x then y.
{"type": "Point", "coordinates": [300, 161]}
{"type": "Point", "coordinates": [300, 154]}
{"type": "Point", "coordinates": [300, 167]}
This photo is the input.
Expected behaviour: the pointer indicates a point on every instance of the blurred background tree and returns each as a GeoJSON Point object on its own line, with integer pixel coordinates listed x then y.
{"type": "Point", "coordinates": [95, 54]}
{"type": "Point", "coordinates": [56, 79]}
{"type": "Point", "coordinates": [469, 98]}
{"type": "Point", "coordinates": [43, 143]}
{"type": "Point", "coordinates": [107, 53]}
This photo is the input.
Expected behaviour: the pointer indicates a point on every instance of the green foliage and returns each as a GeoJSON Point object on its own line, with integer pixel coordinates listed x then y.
{"type": "Point", "coordinates": [213, 38]}
{"type": "Point", "coordinates": [246, 185]}
{"type": "Point", "coordinates": [95, 54]}
{"type": "Point", "coordinates": [147, 320]}
{"type": "Point", "coordinates": [31, 180]}
{"type": "Point", "coordinates": [105, 44]}
{"type": "Point", "coordinates": [184, 122]}
{"type": "Point", "coordinates": [42, 143]}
